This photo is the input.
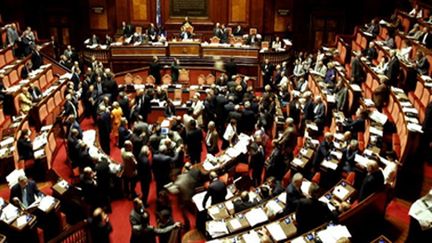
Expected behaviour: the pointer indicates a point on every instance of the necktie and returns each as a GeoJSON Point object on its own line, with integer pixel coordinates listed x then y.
{"type": "Point", "coordinates": [24, 197]}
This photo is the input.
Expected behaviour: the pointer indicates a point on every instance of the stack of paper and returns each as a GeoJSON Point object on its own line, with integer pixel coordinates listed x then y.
{"type": "Point", "coordinates": [329, 164]}
{"type": "Point", "coordinates": [9, 213]}
{"type": "Point", "coordinates": [217, 228]}
{"type": "Point", "coordinates": [256, 216]}
{"type": "Point", "coordinates": [333, 233]}
{"type": "Point", "coordinates": [415, 127]}
{"type": "Point", "coordinates": [235, 224]}
{"type": "Point", "coordinates": [274, 207]}
{"type": "Point", "coordinates": [251, 237]}
{"type": "Point", "coordinates": [276, 231]}
{"type": "Point", "coordinates": [340, 192]}
{"type": "Point", "coordinates": [378, 117]}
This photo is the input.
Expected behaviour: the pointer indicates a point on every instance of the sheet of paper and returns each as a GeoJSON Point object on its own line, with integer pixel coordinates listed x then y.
{"type": "Point", "coordinates": [337, 154]}
{"type": "Point", "coordinates": [217, 228]}
{"type": "Point", "coordinates": [89, 137]}
{"type": "Point", "coordinates": [9, 214]}
{"type": "Point", "coordinates": [340, 192]}
{"type": "Point", "coordinates": [282, 197]}
{"type": "Point", "coordinates": [256, 216]}
{"type": "Point", "coordinates": [299, 239]}
{"type": "Point", "coordinates": [363, 161]}
{"type": "Point", "coordinates": [274, 207]}
{"type": "Point", "coordinates": [213, 210]}
{"type": "Point", "coordinates": [46, 203]}
{"type": "Point", "coordinates": [329, 164]}
{"type": "Point", "coordinates": [414, 127]}
{"type": "Point", "coordinates": [276, 231]}
{"type": "Point", "coordinates": [378, 117]}
{"type": "Point", "coordinates": [22, 220]}
{"type": "Point", "coordinates": [235, 224]}
{"type": "Point", "coordinates": [12, 178]}
{"type": "Point", "coordinates": [251, 237]}
{"type": "Point", "coordinates": [7, 141]}
{"type": "Point", "coordinates": [376, 131]}
{"type": "Point", "coordinates": [198, 200]}
{"type": "Point", "coordinates": [305, 187]}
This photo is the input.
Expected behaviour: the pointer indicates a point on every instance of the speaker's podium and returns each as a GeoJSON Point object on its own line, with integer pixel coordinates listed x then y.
{"type": "Point", "coordinates": [75, 209]}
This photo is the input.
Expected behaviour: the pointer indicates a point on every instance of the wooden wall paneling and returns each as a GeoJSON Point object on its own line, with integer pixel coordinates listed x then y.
{"type": "Point", "coordinates": [122, 13]}
{"type": "Point", "coordinates": [140, 11]}
{"type": "Point", "coordinates": [98, 20]}
{"type": "Point", "coordinates": [282, 22]}
{"type": "Point", "coordinates": [256, 12]}
{"type": "Point", "coordinates": [239, 11]}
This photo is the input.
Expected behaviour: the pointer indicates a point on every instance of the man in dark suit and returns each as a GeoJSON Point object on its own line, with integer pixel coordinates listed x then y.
{"type": "Point", "coordinates": [163, 164]}
{"type": "Point", "coordinates": [323, 150]}
{"type": "Point", "coordinates": [426, 38]}
{"type": "Point", "coordinates": [193, 141]}
{"type": "Point", "coordinates": [373, 182]}
{"type": "Point", "coordinates": [25, 191]}
{"type": "Point", "coordinates": [26, 70]}
{"type": "Point", "coordinates": [144, 173]}
{"type": "Point", "coordinates": [427, 129]}
{"type": "Point", "coordinates": [231, 68]}
{"type": "Point", "coordinates": [103, 181]}
{"type": "Point", "coordinates": [267, 72]}
{"type": "Point", "coordinates": [127, 29]}
{"type": "Point", "coordinates": [36, 58]}
{"type": "Point", "coordinates": [25, 146]}
{"type": "Point", "coordinates": [256, 159]}
{"type": "Point", "coordinates": [104, 126]}
{"type": "Point", "coordinates": [100, 226]}
{"type": "Point", "coordinates": [249, 119]}
{"type": "Point", "coordinates": [136, 221]}
{"type": "Point", "coordinates": [294, 193]}
{"type": "Point", "coordinates": [69, 107]}
{"type": "Point", "coordinates": [319, 113]}
{"type": "Point", "coordinates": [35, 92]}
{"type": "Point", "coordinates": [393, 69]}
{"type": "Point", "coordinates": [311, 212]}
{"type": "Point", "coordinates": [243, 203]}
{"type": "Point", "coordinates": [89, 188]}
{"type": "Point", "coordinates": [422, 63]}
{"type": "Point", "coordinates": [142, 106]}
{"type": "Point", "coordinates": [357, 74]}
{"type": "Point", "coordinates": [308, 108]}
{"type": "Point", "coordinates": [109, 86]}
{"type": "Point", "coordinates": [155, 69]}
{"type": "Point", "coordinates": [217, 190]}
{"type": "Point", "coordinates": [238, 31]}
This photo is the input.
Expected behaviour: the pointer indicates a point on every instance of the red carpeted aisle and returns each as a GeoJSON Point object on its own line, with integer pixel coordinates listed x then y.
{"type": "Point", "coordinates": [120, 207]}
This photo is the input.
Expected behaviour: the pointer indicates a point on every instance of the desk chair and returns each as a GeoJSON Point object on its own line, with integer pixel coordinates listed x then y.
{"type": "Point", "coordinates": [210, 79]}
{"type": "Point", "coordinates": [184, 76]}
{"type": "Point", "coordinates": [215, 40]}
{"type": "Point", "coordinates": [167, 79]}
{"type": "Point", "coordinates": [128, 79]}
{"type": "Point", "coordinates": [201, 79]}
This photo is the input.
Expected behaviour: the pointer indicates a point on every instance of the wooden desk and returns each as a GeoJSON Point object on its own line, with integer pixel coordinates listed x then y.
{"type": "Point", "coordinates": [213, 51]}
{"type": "Point", "coordinates": [189, 49]}
{"type": "Point", "coordinates": [128, 52]}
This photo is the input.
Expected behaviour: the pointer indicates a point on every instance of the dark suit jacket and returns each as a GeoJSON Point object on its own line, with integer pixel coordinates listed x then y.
{"type": "Point", "coordinates": [194, 139]}
{"type": "Point", "coordinates": [231, 69]}
{"type": "Point", "coordinates": [308, 110]}
{"type": "Point", "coordinates": [428, 40]}
{"type": "Point", "coordinates": [372, 183]}
{"type": "Point", "coordinates": [32, 191]}
{"type": "Point", "coordinates": [392, 71]}
{"type": "Point", "coordinates": [240, 205]}
{"type": "Point", "coordinates": [162, 165]}
{"type": "Point", "coordinates": [293, 197]}
{"type": "Point", "coordinates": [35, 93]}
{"type": "Point", "coordinates": [212, 144]}
{"type": "Point", "coordinates": [423, 66]}
{"type": "Point", "coordinates": [371, 53]}
{"type": "Point", "coordinates": [311, 213]}
{"type": "Point", "coordinates": [248, 121]}
{"type": "Point", "coordinates": [110, 86]}
{"type": "Point", "coordinates": [154, 70]}
{"type": "Point", "coordinates": [25, 148]}
{"type": "Point", "coordinates": [36, 59]}
{"type": "Point", "coordinates": [357, 71]}
{"type": "Point", "coordinates": [320, 112]}
{"type": "Point", "coordinates": [217, 191]}
{"type": "Point", "coordinates": [322, 152]}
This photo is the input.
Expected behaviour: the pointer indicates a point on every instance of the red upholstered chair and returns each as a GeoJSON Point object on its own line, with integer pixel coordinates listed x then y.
{"type": "Point", "coordinates": [316, 178]}
{"type": "Point", "coordinates": [351, 177]}
{"type": "Point", "coordinates": [215, 40]}
{"type": "Point", "coordinates": [242, 169]}
{"type": "Point", "coordinates": [128, 78]}
{"type": "Point", "coordinates": [167, 79]}
{"type": "Point", "coordinates": [210, 79]}
{"type": "Point", "coordinates": [287, 178]}
{"type": "Point", "coordinates": [201, 79]}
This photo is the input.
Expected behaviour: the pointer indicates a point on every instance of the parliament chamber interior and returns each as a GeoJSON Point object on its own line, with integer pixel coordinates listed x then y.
{"type": "Point", "coordinates": [219, 121]}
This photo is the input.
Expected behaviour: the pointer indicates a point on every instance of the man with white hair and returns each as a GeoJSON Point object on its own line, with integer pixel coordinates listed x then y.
{"type": "Point", "coordinates": [198, 107]}
{"type": "Point", "coordinates": [294, 193]}
{"type": "Point", "coordinates": [373, 182]}
{"type": "Point", "coordinates": [319, 112]}
{"type": "Point", "coordinates": [393, 69]}
{"type": "Point", "coordinates": [163, 164]}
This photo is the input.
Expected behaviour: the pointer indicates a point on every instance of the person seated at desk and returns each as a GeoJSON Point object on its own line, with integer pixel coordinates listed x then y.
{"type": "Point", "coordinates": [28, 68]}
{"type": "Point", "coordinates": [426, 37]}
{"type": "Point", "coordinates": [382, 66]}
{"type": "Point", "coordinates": [348, 156]}
{"type": "Point", "coordinates": [253, 39]}
{"type": "Point", "coordinates": [294, 193]}
{"type": "Point", "coordinates": [420, 227]}
{"type": "Point", "coordinates": [381, 94]}
{"type": "Point", "coordinates": [2, 87]}
{"type": "Point", "coordinates": [357, 125]}
{"type": "Point", "coordinates": [25, 146]}
{"type": "Point", "coordinates": [186, 23]}
{"type": "Point", "coordinates": [370, 52]}
{"type": "Point", "coordinates": [311, 213]}
{"type": "Point", "coordinates": [373, 28]}
{"type": "Point", "coordinates": [415, 32]}
{"type": "Point", "coordinates": [108, 40]}
{"type": "Point", "coordinates": [243, 203]}
{"type": "Point", "coordinates": [238, 31]}
{"type": "Point", "coordinates": [94, 40]}
{"type": "Point", "coordinates": [373, 182]}
{"type": "Point", "coordinates": [25, 192]}
{"type": "Point", "coordinates": [186, 34]}
{"type": "Point", "coordinates": [152, 33]}
{"type": "Point", "coordinates": [25, 101]}
{"type": "Point", "coordinates": [127, 29]}
{"type": "Point", "coordinates": [217, 190]}
{"type": "Point", "coordinates": [35, 92]}
{"type": "Point", "coordinates": [100, 226]}
{"type": "Point", "coordinates": [416, 12]}
{"type": "Point", "coordinates": [277, 44]}
{"type": "Point", "coordinates": [323, 150]}
{"type": "Point", "coordinates": [421, 63]}
{"type": "Point", "coordinates": [389, 41]}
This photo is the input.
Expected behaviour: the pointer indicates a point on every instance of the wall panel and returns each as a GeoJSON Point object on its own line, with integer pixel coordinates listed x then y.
{"type": "Point", "coordinates": [98, 15]}
{"type": "Point", "coordinates": [239, 11]}
{"type": "Point", "coordinates": [139, 10]}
